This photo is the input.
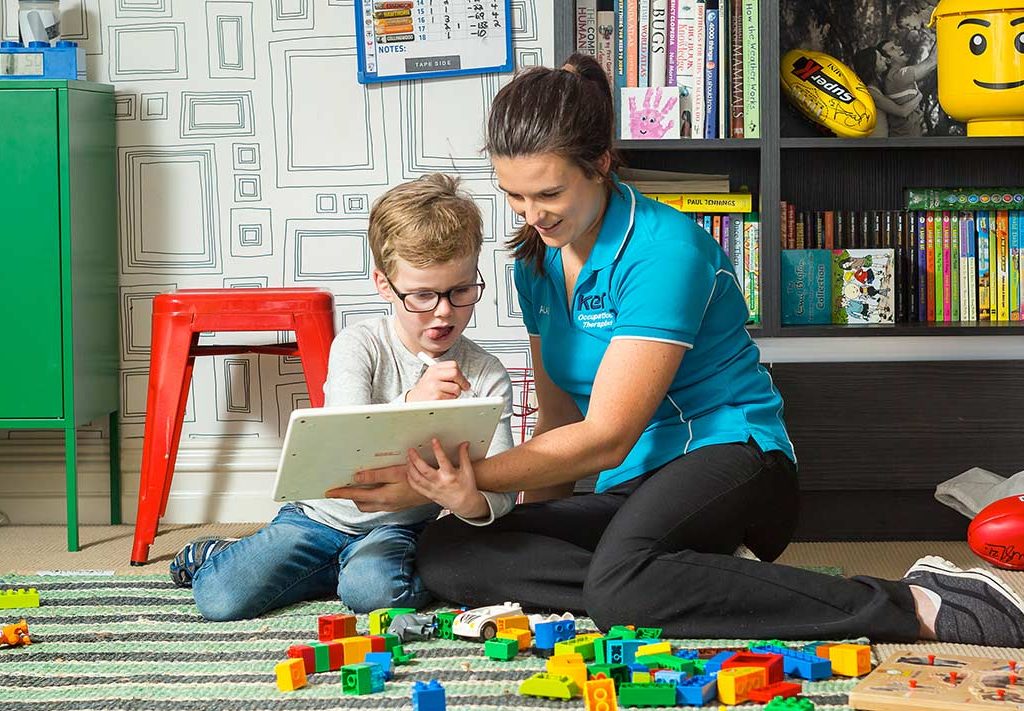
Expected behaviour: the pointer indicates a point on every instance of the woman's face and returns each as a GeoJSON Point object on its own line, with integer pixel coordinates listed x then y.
{"type": "Point", "coordinates": [553, 195]}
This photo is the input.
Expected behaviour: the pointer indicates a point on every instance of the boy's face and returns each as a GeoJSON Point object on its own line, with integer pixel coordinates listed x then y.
{"type": "Point", "coordinates": [432, 332]}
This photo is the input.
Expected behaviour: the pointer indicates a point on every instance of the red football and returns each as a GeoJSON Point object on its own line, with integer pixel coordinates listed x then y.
{"type": "Point", "coordinates": [997, 533]}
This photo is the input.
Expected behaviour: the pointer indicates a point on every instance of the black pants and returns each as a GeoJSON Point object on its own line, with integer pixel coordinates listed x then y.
{"type": "Point", "coordinates": [657, 552]}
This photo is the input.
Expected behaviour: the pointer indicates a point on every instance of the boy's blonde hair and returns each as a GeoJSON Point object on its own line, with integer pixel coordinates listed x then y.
{"type": "Point", "coordinates": [425, 222]}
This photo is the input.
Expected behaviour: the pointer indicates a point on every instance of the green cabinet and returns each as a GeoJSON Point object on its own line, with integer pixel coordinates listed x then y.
{"type": "Point", "coordinates": [58, 273]}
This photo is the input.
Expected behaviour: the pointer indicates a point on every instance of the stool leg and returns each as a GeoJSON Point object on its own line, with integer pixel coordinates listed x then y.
{"type": "Point", "coordinates": [71, 485]}
{"type": "Point", "coordinates": [179, 420]}
{"type": "Point", "coordinates": [169, 355]}
{"type": "Point", "coordinates": [115, 469]}
{"type": "Point", "coordinates": [314, 333]}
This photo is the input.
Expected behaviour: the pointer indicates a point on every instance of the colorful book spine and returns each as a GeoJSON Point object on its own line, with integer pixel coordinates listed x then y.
{"type": "Point", "coordinates": [672, 42]}
{"type": "Point", "coordinates": [999, 198]}
{"type": "Point", "coordinates": [724, 34]}
{"type": "Point", "coordinates": [752, 263]}
{"type": "Point", "coordinates": [735, 239]}
{"type": "Point", "coordinates": [972, 269]}
{"type": "Point", "coordinates": [922, 267]}
{"type": "Point", "coordinates": [1003, 255]}
{"type": "Point", "coordinates": [700, 109]}
{"type": "Point", "coordinates": [658, 43]}
{"type": "Point", "coordinates": [984, 273]}
{"type": "Point", "coordinates": [751, 71]}
{"type": "Point", "coordinates": [632, 43]}
{"type": "Point", "coordinates": [711, 88]}
{"type": "Point", "coordinates": [706, 202]}
{"type": "Point", "coordinates": [963, 278]}
{"type": "Point", "coordinates": [930, 264]}
{"type": "Point", "coordinates": [946, 271]}
{"type": "Point", "coordinates": [643, 38]}
{"type": "Point", "coordinates": [736, 68]}
{"type": "Point", "coordinates": [606, 43]}
{"type": "Point", "coordinates": [954, 267]}
{"type": "Point", "coordinates": [1014, 267]}
{"type": "Point", "coordinates": [686, 61]}
{"type": "Point", "coordinates": [586, 27]}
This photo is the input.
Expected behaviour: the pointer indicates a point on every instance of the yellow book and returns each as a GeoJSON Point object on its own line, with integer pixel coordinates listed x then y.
{"type": "Point", "coordinates": [706, 202]}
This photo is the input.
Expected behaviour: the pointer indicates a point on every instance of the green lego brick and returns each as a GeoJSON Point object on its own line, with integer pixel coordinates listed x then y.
{"type": "Point", "coordinates": [648, 632]}
{"type": "Point", "coordinates": [647, 694]}
{"type": "Point", "coordinates": [668, 661]}
{"type": "Point", "coordinates": [618, 673]}
{"type": "Point", "coordinates": [444, 624]}
{"type": "Point", "coordinates": [599, 650]}
{"type": "Point", "coordinates": [550, 686]}
{"type": "Point", "coordinates": [400, 656]}
{"type": "Point", "coordinates": [501, 649]}
{"type": "Point", "coordinates": [572, 646]}
{"type": "Point", "coordinates": [10, 599]}
{"type": "Point", "coordinates": [620, 632]}
{"type": "Point", "coordinates": [380, 619]}
{"type": "Point", "coordinates": [390, 641]}
{"type": "Point", "coordinates": [357, 679]}
{"type": "Point", "coordinates": [795, 703]}
{"type": "Point", "coordinates": [321, 655]}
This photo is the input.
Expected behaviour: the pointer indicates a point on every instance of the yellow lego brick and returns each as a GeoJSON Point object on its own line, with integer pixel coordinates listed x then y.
{"type": "Point", "coordinates": [656, 648]}
{"type": "Point", "coordinates": [570, 665]}
{"type": "Point", "coordinates": [599, 695]}
{"type": "Point", "coordinates": [291, 675]}
{"type": "Point", "coordinates": [850, 659]}
{"type": "Point", "coordinates": [21, 597]}
{"type": "Point", "coordinates": [641, 677]}
{"type": "Point", "coordinates": [734, 684]}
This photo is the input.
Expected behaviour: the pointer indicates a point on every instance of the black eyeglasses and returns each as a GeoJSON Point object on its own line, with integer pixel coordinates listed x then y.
{"type": "Point", "coordinates": [424, 300]}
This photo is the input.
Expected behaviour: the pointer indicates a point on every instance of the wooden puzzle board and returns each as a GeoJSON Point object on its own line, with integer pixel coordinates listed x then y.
{"type": "Point", "coordinates": [975, 683]}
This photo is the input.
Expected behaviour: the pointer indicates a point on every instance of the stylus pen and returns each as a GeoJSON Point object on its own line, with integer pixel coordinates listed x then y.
{"type": "Point", "coordinates": [427, 360]}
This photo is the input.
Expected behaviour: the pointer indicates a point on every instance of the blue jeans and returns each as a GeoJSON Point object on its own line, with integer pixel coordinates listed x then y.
{"type": "Point", "coordinates": [295, 558]}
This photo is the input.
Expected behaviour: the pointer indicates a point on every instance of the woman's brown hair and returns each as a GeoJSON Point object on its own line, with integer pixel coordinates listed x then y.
{"type": "Point", "coordinates": [568, 112]}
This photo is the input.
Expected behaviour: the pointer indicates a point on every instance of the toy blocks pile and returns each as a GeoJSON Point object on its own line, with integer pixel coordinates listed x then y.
{"type": "Point", "coordinates": [635, 667]}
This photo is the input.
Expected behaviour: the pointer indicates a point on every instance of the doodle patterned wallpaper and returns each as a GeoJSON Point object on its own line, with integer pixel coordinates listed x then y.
{"type": "Point", "coordinates": [248, 156]}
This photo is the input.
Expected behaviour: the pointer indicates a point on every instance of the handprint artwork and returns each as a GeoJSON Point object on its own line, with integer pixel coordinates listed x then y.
{"type": "Point", "coordinates": [650, 113]}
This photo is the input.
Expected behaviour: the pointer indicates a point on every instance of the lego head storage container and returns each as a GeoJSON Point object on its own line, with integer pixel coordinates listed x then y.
{"type": "Point", "coordinates": [981, 64]}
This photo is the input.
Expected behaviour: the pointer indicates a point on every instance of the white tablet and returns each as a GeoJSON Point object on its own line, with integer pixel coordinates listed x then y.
{"type": "Point", "coordinates": [325, 446]}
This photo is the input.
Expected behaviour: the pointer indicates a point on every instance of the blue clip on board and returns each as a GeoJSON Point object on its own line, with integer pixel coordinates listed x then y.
{"type": "Point", "coordinates": [421, 39]}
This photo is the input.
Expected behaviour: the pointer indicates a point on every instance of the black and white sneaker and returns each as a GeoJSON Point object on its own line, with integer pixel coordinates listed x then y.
{"type": "Point", "coordinates": [192, 556]}
{"type": "Point", "coordinates": [976, 607]}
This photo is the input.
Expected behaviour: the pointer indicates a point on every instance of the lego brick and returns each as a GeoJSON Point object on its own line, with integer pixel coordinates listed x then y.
{"type": "Point", "coordinates": [790, 704]}
{"type": "Point", "coordinates": [641, 677]}
{"type": "Point", "coordinates": [549, 686]}
{"type": "Point", "coordinates": [380, 619]}
{"type": "Point", "coordinates": [800, 664]}
{"type": "Point", "coordinates": [772, 664]}
{"type": "Point", "coordinates": [11, 599]}
{"type": "Point", "coordinates": [785, 689]}
{"type": "Point", "coordinates": [385, 661]}
{"type": "Point", "coordinates": [332, 627]}
{"type": "Point", "coordinates": [518, 622]}
{"type": "Point", "coordinates": [621, 632]}
{"type": "Point", "coordinates": [359, 679]}
{"type": "Point", "coordinates": [390, 641]}
{"type": "Point", "coordinates": [668, 676]}
{"type": "Point", "coordinates": [584, 647]}
{"type": "Point", "coordinates": [335, 655]}
{"type": "Point", "coordinates": [658, 647]}
{"type": "Point", "coordinates": [622, 651]}
{"type": "Point", "coordinates": [648, 632]}
{"type": "Point", "coordinates": [618, 673]}
{"type": "Point", "coordinates": [599, 695]}
{"type": "Point", "coordinates": [306, 653]}
{"type": "Point", "coordinates": [735, 683]}
{"type": "Point", "coordinates": [570, 665]}
{"type": "Point", "coordinates": [547, 634]}
{"type": "Point", "coordinates": [290, 674]}
{"type": "Point", "coordinates": [668, 661]}
{"type": "Point", "coordinates": [715, 663]}
{"type": "Point", "coordinates": [428, 697]}
{"type": "Point", "coordinates": [401, 656]}
{"type": "Point", "coordinates": [522, 637]}
{"type": "Point", "coordinates": [356, 649]}
{"type": "Point", "coordinates": [377, 643]}
{"type": "Point", "coordinates": [850, 659]}
{"type": "Point", "coordinates": [647, 695]}
{"type": "Point", "coordinates": [321, 656]}
{"type": "Point", "coordinates": [501, 649]}
{"type": "Point", "coordinates": [444, 620]}
{"type": "Point", "coordinates": [696, 691]}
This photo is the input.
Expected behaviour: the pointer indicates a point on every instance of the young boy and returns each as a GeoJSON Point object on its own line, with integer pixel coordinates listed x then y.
{"type": "Point", "coordinates": [426, 237]}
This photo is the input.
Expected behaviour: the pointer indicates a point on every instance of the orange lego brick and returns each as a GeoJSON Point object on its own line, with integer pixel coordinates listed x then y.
{"type": "Point", "coordinates": [523, 637]}
{"type": "Point", "coordinates": [850, 659]}
{"type": "Point", "coordinates": [356, 649]}
{"type": "Point", "coordinates": [599, 695]}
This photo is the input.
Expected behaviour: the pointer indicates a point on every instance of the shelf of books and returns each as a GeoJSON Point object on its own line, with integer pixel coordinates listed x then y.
{"type": "Point", "coordinates": [912, 142]}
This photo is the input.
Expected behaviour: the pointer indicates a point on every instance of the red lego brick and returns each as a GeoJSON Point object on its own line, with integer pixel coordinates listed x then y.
{"type": "Point", "coordinates": [306, 653]}
{"type": "Point", "coordinates": [785, 689]}
{"type": "Point", "coordinates": [332, 627]}
{"type": "Point", "coordinates": [772, 664]}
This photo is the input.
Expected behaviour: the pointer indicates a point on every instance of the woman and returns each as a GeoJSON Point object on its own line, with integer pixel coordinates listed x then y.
{"type": "Point", "coordinates": [646, 375]}
{"type": "Point", "coordinates": [871, 66]}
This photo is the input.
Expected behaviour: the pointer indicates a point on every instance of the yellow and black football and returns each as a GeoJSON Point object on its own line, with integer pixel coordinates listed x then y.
{"type": "Point", "coordinates": [828, 92]}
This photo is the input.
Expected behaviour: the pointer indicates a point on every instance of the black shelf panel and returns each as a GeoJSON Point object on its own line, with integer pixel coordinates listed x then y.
{"type": "Point", "coordinates": [921, 143]}
{"type": "Point", "coordinates": [980, 328]}
{"type": "Point", "coordinates": [691, 144]}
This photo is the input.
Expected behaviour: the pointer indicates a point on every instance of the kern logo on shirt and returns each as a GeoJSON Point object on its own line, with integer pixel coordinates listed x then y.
{"type": "Point", "coordinates": [593, 312]}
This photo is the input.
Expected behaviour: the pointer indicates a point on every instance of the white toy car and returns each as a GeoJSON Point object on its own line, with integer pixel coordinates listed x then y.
{"type": "Point", "coordinates": [481, 623]}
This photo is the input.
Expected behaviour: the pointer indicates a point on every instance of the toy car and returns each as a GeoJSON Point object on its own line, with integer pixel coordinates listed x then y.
{"type": "Point", "coordinates": [481, 623]}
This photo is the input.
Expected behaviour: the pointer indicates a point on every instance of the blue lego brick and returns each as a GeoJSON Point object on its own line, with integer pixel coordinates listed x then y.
{"type": "Point", "coordinates": [623, 651]}
{"type": "Point", "coordinates": [714, 664]}
{"type": "Point", "coordinates": [670, 677]}
{"type": "Point", "coordinates": [687, 653]}
{"type": "Point", "coordinates": [39, 60]}
{"type": "Point", "coordinates": [800, 664]}
{"type": "Point", "coordinates": [428, 697]}
{"type": "Point", "coordinates": [697, 690]}
{"type": "Point", "coordinates": [546, 634]}
{"type": "Point", "coordinates": [384, 660]}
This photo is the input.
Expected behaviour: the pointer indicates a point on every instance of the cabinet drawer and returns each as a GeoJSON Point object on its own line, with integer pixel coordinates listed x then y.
{"type": "Point", "coordinates": [31, 361]}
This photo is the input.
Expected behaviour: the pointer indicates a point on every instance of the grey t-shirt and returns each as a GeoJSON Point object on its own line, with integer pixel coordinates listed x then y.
{"type": "Point", "coordinates": [370, 365]}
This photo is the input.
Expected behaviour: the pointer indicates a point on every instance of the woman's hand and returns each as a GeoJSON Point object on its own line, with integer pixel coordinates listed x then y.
{"type": "Point", "coordinates": [452, 487]}
{"type": "Point", "coordinates": [384, 489]}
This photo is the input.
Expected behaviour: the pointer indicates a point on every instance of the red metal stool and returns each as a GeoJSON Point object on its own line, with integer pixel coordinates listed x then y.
{"type": "Point", "coordinates": [178, 319]}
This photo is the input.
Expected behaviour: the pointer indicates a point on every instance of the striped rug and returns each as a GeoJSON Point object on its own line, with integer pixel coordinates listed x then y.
{"type": "Point", "coordinates": [137, 642]}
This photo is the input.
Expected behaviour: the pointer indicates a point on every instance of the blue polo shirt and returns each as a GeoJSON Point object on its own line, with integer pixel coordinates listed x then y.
{"type": "Point", "coordinates": [654, 275]}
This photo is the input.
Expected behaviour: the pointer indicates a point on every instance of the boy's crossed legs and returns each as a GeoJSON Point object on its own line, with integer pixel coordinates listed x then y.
{"type": "Point", "coordinates": [295, 558]}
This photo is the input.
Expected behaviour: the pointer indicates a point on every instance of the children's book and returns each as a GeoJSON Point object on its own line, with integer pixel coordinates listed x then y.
{"type": "Point", "coordinates": [806, 287]}
{"type": "Point", "coordinates": [863, 286]}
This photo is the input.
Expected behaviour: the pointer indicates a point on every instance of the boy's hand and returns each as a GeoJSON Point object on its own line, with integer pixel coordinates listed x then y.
{"type": "Point", "coordinates": [443, 381]}
{"type": "Point", "coordinates": [454, 488]}
{"type": "Point", "coordinates": [384, 489]}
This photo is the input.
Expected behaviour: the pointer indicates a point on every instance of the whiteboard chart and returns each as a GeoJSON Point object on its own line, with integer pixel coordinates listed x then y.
{"type": "Point", "coordinates": [419, 39]}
